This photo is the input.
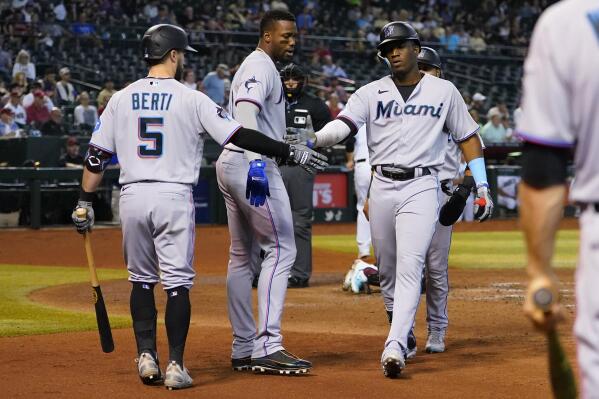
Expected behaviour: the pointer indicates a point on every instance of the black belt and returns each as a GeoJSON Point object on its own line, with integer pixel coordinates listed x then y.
{"type": "Point", "coordinates": [584, 207]}
{"type": "Point", "coordinates": [445, 186]}
{"type": "Point", "coordinates": [401, 175]}
{"type": "Point", "coordinates": [360, 160]}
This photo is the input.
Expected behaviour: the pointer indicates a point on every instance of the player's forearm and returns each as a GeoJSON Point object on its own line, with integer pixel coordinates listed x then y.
{"type": "Point", "coordinates": [255, 142]}
{"type": "Point", "coordinates": [473, 153]}
{"type": "Point", "coordinates": [246, 113]}
{"type": "Point", "coordinates": [89, 183]}
{"type": "Point", "coordinates": [540, 213]}
{"type": "Point", "coordinates": [332, 133]}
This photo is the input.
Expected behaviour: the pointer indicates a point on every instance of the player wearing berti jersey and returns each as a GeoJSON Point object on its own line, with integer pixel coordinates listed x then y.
{"type": "Point", "coordinates": [559, 111]}
{"type": "Point", "coordinates": [405, 114]}
{"type": "Point", "coordinates": [157, 128]}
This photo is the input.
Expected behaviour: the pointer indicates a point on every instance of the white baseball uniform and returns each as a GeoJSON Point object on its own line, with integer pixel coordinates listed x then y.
{"type": "Point", "coordinates": [157, 128]}
{"type": "Point", "coordinates": [270, 226]}
{"type": "Point", "coordinates": [406, 135]}
{"type": "Point", "coordinates": [362, 175]}
{"type": "Point", "coordinates": [561, 93]}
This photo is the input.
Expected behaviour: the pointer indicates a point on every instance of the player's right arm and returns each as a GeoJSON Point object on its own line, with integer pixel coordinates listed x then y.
{"type": "Point", "coordinates": [347, 123]}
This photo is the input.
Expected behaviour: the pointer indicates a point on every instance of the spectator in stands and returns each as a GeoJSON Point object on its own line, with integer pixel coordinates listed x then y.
{"type": "Point", "coordinates": [53, 32]}
{"type": "Point", "coordinates": [37, 112]}
{"type": "Point", "coordinates": [102, 105]}
{"type": "Point", "coordinates": [164, 16]}
{"type": "Point", "coordinates": [106, 92]}
{"type": "Point", "coordinates": [60, 12]}
{"type": "Point", "coordinates": [189, 79]}
{"type": "Point", "coordinates": [509, 132]}
{"type": "Point", "coordinates": [305, 21]}
{"type": "Point", "coordinates": [337, 88]}
{"type": "Point", "coordinates": [478, 103]}
{"type": "Point", "coordinates": [49, 84]}
{"type": "Point", "coordinates": [187, 19]}
{"type": "Point", "coordinates": [151, 10]}
{"type": "Point", "coordinates": [450, 40]}
{"type": "Point", "coordinates": [279, 5]}
{"type": "Point", "coordinates": [8, 127]}
{"type": "Point", "coordinates": [493, 131]}
{"type": "Point", "coordinates": [54, 126]}
{"type": "Point", "coordinates": [477, 42]}
{"type": "Point", "coordinates": [5, 62]}
{"type": "Point", "coordinates": [20, 80]}
{"type": "Point", "coordinates": [214, 83]}
{"type": "Point", "coordinates": [18, 111]}
{"type": "Point", "coordinates": [23, 64]}
{"type": "Point", "coordinates": [330, 69]}
{"type": "Point", "coordinates": [65, 90]}
{"type": "Point", "coordinates": [501, 107]}
{"type": "Point", "coordinates": [85, 114]}
{"type": "Point", "coordinates": [71, 158]}
{"type": "Point", "coordinates": [27, 99]}
{"type": "Point", "coordinates": [85, 31]}
{"type": "Point", "coordinates": [335, 107]}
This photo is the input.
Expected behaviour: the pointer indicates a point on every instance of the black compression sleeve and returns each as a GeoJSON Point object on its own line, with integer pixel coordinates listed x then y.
{"type": "Point", "coordinates": [544, 166]}
{"type": "Point", "coordinates": [255, 141]}
{"type": "Point", "coordinates": [350, 144]}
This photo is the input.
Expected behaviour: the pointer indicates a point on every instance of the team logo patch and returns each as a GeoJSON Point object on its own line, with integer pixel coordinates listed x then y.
{"type": "Point", "coordinates": [220, 111]}
{"type": "Point", "coordinates": [97, 127]}
{"type": "Point", "coordinates": [389, 30]}
{"type": "Point", "coordinates": [251, 83]}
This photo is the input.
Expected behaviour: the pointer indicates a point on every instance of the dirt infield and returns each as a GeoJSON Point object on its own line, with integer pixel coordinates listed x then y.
{"type": "Point", "coordinates": [492, 351]}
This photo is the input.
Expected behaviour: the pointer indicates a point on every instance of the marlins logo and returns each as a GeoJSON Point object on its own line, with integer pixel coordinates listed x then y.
{"type": "Point", "coordinates": [251, 83]}
{"type": "Point", "coordinates": [389, 30]}
{"type": "Point", "coordinates": [220, 111]}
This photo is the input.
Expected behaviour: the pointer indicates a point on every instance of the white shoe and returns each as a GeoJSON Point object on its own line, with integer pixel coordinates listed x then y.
{"type": "Point", "coordinates": [148, 369]}
{"type": "Point", "coordinates": [177, 377]}
{"type": "Point", "coordinates": [435, 342]}
{"type": "Point", "coordinates": [347, 280]}
{"type": "Point", "coordinates": [359, 279]}
{"type": "Point", "coordinates": [392, 362]}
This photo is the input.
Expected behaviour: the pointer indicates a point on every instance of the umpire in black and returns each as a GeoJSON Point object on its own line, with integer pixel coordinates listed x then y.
{"type": "Point", "coordinates": [304, 113]}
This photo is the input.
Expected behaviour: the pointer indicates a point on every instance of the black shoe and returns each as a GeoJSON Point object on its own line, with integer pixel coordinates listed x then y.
{"type": "Point", "coordinates": [255, 281]}
{"type": "Point", "coordinates": [243, 364]}
{"type": "Point", "coordinates": [281, 362]}
{"type": "Point", "coordinates": [411, 351]}
{"type": "Point", "coordinates": [296, 282]}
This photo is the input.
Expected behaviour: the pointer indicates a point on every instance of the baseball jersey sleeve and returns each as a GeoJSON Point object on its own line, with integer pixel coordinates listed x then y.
{"type": "Point", "coordinates": [355, 113]}
{"type": "Point", "coordinates": [103, 135]}
{"type": "Point", "coordinates": [215, 120]}
{"type": "Point", "coordinates": [459, 122]}
{"type": "Point", "coordinates": [546, 116]}
{"type": "Point", "coordinates": [256, 86]}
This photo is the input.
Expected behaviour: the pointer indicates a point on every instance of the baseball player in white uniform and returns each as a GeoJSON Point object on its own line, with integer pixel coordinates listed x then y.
{"type": "Point", "coordinates": [258, 100]}
{"type": "Point", "coordinates": [404, 114]}
{"type": "Point", "coordinates": [159, 166]}
{"type": "Point", "coordinates": [362, 176]}
{"type": "Point", "coordinates": [561, 93]}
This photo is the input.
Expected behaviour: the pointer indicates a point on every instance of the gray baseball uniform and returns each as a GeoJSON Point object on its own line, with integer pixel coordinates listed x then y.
{"type": "Point", "coordinates": [406, 135]}
{"type": "Point", "coordinates": [561, 93]}
{"type": "Point", "coordinates": [159, 165]}
{"type": "Point", "coordinates": [271, 226]}
{"type": "Point", "coordinates": [362, 175]}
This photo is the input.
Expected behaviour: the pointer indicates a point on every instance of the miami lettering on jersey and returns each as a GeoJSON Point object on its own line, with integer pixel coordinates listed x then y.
{"type": "Point", "coordinates": [393, 107]}
{"type": "Point", "coordinates": [151, 101]}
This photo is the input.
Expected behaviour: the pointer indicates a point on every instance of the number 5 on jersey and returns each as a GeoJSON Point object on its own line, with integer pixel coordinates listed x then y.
{"type": "Point", "coordinates": [153, 139]}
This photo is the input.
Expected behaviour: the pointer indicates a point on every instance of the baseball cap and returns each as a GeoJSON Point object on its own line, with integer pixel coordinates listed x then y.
{"type": "Point", "coordinates": [6, 111]}
{"type": "Point", "coordinates": [224, 67]}
{"type": "Point", "coordinates": [479, 97]}
{"type": "Point", "coordinates": [493, 112]}
{"type": "Point", "coordinates": [64, 71]}
{"type": "Point", "coordinates": [72, 141]}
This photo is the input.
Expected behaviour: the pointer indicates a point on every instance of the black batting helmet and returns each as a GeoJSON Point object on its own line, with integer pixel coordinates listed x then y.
{"type": "Point", "coordinates": [397, 31]}
{"type": "Point", "coordinates": [160, 39]}
{"type": "Point", "coordinates": [429, 56]}
{"type": "Point", "coordinates": [295, 72]}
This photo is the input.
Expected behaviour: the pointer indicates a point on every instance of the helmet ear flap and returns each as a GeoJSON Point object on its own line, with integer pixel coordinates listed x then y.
{"type": "Point", "coordinates": [383, 59]}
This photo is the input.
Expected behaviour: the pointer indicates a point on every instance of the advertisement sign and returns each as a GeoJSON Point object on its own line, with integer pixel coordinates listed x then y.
{"type": "Point", "coordinates": [330, 190]}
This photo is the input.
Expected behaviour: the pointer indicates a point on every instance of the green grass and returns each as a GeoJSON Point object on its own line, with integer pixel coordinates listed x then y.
{"type": "Point", "coordinates": [20, 316]}
{"type": "Point", "coordinates": [498, 249]}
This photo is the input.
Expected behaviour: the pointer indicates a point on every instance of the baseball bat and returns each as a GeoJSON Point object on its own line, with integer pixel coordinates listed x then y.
{"type": "Point", "coordinates": [101, 313]}
{"type": "Point", "coordinates": [562, 378]}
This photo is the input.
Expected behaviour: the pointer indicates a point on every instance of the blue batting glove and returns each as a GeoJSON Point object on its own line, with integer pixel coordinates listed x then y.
{"type": "Point", "coordinates": [256, 189]}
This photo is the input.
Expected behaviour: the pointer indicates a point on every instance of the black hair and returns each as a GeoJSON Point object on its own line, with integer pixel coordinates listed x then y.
{"type": "Point", "coordinates": [270, 17]}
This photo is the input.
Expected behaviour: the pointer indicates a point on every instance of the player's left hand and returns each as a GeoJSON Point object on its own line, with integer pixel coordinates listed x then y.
{"type": "Point", "coordinates": [256, 189]}
{"type": "Point", "coordinates": [483, 204]}
{"type": "Point", "coordinates": [83, 225]}
{"type": "Point", "coordinates": [541, 304]}
{"type": "Point", "coordinates": [310, 160]}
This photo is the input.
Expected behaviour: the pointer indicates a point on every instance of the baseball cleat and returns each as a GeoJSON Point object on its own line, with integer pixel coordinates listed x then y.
{"type": "Point", "coordinates": [347, 280]}
{"type": "Point", "coordinates": [281, 362]}
{"type": "Point", "coordinates": [242, 364]}
{"type": "Point", "coordinates": [392, 362]}
{"type": "Point", "coordinates": [148, 369]}
{"type": "Point", "coordinates": [435, 342]}
{"type": "Point", "coordinates": [412, 349]}
{"type": "Point", "coordinates": [177, 377]}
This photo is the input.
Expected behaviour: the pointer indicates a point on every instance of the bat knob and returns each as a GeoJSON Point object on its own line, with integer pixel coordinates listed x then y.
{"type": "Point", "coordinates": [543, 298]}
